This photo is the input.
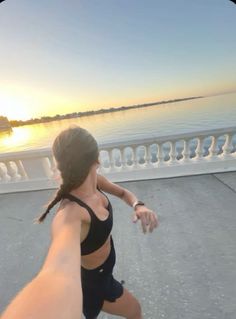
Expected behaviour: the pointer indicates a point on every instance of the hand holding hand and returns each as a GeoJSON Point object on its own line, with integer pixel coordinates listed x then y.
{"type": "Point", "coordinates": [148, 218]}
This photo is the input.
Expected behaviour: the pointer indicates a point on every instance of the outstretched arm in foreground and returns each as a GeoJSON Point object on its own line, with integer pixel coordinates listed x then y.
{"type": "Point", "coordinates": [56, 290]}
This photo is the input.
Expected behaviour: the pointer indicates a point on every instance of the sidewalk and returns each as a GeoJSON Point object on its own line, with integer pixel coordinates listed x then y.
{"type": "Point", "coordinates": [184, 270]}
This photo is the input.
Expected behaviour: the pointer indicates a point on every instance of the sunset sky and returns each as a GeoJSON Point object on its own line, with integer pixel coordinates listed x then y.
{"type": "Point", "coordinates": [60, 57]}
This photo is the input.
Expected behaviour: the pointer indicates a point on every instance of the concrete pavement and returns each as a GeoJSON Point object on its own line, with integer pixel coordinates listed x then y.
{"type": "Point", "coordinates": [185, 269]}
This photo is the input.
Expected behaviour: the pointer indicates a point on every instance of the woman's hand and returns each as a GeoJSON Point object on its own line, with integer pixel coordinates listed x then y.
{"type": "Point", "coordinates": [147, 217]}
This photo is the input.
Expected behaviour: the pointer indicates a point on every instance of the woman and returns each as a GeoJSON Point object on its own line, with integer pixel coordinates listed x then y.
{"type": "Point", "coordinates": [82, 200]}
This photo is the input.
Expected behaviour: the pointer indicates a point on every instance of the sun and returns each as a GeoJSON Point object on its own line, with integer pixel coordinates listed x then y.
{"type": "Point", "coordinates": [14, 108]}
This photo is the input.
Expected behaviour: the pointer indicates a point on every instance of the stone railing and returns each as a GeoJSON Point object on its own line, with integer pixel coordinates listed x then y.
{"type": "Point", "coordinates": [184, 154]}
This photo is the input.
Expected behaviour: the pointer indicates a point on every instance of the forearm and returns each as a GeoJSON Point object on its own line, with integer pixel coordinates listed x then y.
{"type": "Point", "coordinates": [129, 197]}
{"type": "Point", "coordinates": [64, 254]}
{"type": "Point", "coordinates": [49, 295]}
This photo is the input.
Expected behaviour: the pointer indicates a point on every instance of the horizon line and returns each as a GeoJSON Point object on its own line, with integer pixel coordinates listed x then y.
{"type": "Point", "coordinates": [111, 108]}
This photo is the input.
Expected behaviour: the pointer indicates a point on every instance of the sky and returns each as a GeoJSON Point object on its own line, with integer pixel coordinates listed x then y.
{"type": "Point", "coordinates": [59, 57]}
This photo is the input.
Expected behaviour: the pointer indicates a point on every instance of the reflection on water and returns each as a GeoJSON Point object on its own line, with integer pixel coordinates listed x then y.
{"type": "Point", "coordinates": [13, 139]}
{"type": "Point", "coordinates": [187, 116]}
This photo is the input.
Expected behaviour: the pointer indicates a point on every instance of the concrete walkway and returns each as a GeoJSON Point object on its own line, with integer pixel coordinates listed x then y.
{"type": "Point", "coordinates": [186, 269]}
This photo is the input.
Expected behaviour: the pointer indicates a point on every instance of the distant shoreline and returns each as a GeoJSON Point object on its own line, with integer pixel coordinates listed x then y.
{"type": "Point", "coordinates": [5, 125]}
{"type": "Point", "coordinates": [46, 119]}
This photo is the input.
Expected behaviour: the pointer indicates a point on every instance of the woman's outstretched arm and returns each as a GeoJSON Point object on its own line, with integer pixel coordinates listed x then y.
{"type": "Point", "coordinates": [56, 290]}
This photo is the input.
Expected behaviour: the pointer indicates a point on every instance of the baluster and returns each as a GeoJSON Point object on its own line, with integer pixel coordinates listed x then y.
{"type": "Point", "coordinates": [119, 158]}
{"type": "Point", "coordinates": [3, 173]}
{"type": "Point", "coordinates": [199, 149]}
{"type": "Point", "coordinates": [147, 155]}
{"type": "Point", "coordinates": [135, 157]}
{"type": "Point", "coordinates": [213, 148]}
{"type": "Point", "coordinates": [123, 158]}
{"type": "Point", "coordinates": [160, 156]}
{"type": "Point", "coordinates": [21, 170]}
{"type": "Point", "coordinates": [227, 147]}
{"type": "Point", "coordinates": [186, 151]}
{"type": "Point", "coordinates": [111, 159]}
{"type": "Point", "coordinates": [172, 152]}
{"type": "Point", "coordinates": [12, 172]}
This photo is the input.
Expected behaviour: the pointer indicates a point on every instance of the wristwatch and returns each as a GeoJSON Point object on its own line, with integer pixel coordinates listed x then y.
{"type": "Point", "coordinates": [138, 203]}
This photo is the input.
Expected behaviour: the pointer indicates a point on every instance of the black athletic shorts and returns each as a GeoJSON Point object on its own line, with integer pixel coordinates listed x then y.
{"type": "Point", "coordinates": [98, 284]}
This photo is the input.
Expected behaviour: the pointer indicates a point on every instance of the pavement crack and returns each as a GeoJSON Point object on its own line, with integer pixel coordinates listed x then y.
{"type": "Point", "coordinates": [232, 189]}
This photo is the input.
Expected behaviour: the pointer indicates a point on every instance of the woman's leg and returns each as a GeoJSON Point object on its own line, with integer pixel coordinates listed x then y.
{"type": "Point", "coordinates": [126, 306]}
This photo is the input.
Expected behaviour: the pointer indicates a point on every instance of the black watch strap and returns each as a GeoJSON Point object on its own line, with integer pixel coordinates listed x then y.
{"type": "Point", "coordinates": [138, 203]}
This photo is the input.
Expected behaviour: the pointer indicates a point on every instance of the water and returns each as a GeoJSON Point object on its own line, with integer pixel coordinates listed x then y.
{"type": "Point", "coordinates": [172, 118]}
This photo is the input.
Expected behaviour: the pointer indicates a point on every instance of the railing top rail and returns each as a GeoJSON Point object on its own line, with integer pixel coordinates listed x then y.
{"type": "Point", "coordinates": [170, 137]}
{"type": "Point", "coordinates": [43, 152]}
{"type": "Point", "coordinates": [35, 153]}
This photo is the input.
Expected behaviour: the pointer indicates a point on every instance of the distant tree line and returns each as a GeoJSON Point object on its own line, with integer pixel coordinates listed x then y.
{"type": "Point", "coordinates": [45, 119]}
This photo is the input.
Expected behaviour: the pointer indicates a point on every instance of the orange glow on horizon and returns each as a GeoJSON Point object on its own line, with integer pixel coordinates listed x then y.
{"type": "Point", "coordinates": [26, 103]}
{"type": "Point", "coordinates": [13, 108]}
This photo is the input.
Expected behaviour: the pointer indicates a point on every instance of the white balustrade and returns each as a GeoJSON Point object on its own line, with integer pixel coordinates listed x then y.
{"type": "Point", "coordinates": [26, 170]}
{"type": "Point", "coordinates": [157, 157]}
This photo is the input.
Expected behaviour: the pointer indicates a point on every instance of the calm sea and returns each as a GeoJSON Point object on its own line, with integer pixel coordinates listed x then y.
{"type": "Point", "coordinates": [172, 118]}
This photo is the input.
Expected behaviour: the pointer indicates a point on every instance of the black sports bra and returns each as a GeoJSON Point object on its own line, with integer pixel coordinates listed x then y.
{"type": "Point", "coordinates": [99, 230]}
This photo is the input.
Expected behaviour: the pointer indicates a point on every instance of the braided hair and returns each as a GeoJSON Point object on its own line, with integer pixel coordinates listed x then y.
{"type": "Point", "coordinates": [75, 151]}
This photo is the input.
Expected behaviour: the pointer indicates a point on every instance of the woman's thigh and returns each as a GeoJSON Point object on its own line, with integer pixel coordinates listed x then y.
{"type": "Point", "coordinates": [126, 306]}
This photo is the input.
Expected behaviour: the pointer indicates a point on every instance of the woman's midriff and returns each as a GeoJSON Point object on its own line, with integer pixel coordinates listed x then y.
{"type": "Point", "coordinates": [98, 257]}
